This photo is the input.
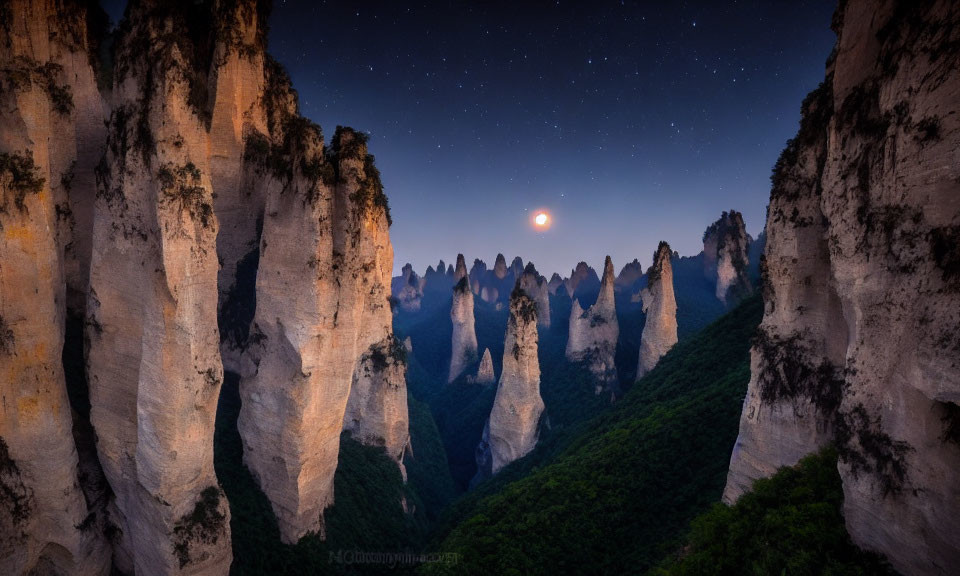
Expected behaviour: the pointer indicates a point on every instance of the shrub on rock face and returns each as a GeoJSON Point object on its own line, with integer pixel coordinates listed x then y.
{"type": "Point", "coordinates": [19, 177]}
{"type": "Point", "coordinates": [181, 188]}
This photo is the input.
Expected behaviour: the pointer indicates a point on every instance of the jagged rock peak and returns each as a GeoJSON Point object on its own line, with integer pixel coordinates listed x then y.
{"type": "Point", "coordinates": [461, 270]}
{"type": "Point", "coordinates": [629, 274]}
{"type": "Point", "coordinates": [408, 292]}
{"type": "Point", "coordinates": [660, 305]}
{"type": "Point", "coordinates": [500, 267]}
{"type": "Point", "coordinates": [593, 333]}
{"type": "Point", "coordinates": [535, 286]}
{"type": "Point", "coordinates": [513, 428]}
{"type": "Point", "coordinates": [485, 373]}
{"type": "Point", "coordinates": [578, 275]}
{"type": "Point", "coordinates": [516, 267]}
{"type": "Point", "coordinates": [463, 350]}
{"type": "Point", "coordinates": [857, 346]}
{"type": "Point", "coordinates": [555, 283]}
{"type": "Point", "coordinates": [725, 250]}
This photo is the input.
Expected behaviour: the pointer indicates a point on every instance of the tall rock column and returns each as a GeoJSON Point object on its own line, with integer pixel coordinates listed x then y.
{"type": "Point", "coordinates": [858, 345]}
{"type": "Point", "coordinates": [464, 342]}
{"type": "Point", "coordinates": [594, 332]}
{"type": "Point", "coordinates": [660, 306]}
{"type": "Point", "coordinates": [725, 246]}
{"type": "Point", "coordinates": [51, 121]}
{"type": "Point", "coordinates": [535, 286]}
{"type": "Point", "coordinates": [154, 361]}
{"type": "Point", "coordinates": [322, 340]}
{"type": "Point", "coordinates": [514, 424]}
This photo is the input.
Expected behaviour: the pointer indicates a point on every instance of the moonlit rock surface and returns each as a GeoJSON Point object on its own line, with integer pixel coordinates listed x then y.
{"type": "Point", "coordinates": [862, 292]}
{"type": "Point", "coordinates": [44, 264]}
{"type": "Point", "coordinates": [725, 247]}
{"type": "Point", "coordinates": [485, 373]}
{"type": "Point", "coordinates": [594, 332]}
{"type": "Point", "coordinates": [513, 427]}
{"type": "Point", "coordinates": [660, 306]}
{"type": "Point", "coordinates": [535, 286]}
{"type": "Point", "coordinates": [463, 351]}
{"type": "Point", "coordinates": [326, 355]}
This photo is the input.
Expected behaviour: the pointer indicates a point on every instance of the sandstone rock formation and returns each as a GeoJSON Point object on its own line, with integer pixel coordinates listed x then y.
{"type": "Point", "coordinates": [594, 332]}
{"type": "Point", "coordinates": [514, 424]}
{"type": "Point", "coordinates": [47, 86]}
{"type": "Point", "coordinates": [535, 286]}
{"type": "Point", "coordinates": [725, 258]}
{"type": "Point", "coordinates": [500, 267]}
{"type": "Point", "coordinates": [408, 289]}
{"type": "Point", "coordinates": [485, 373]}
{"type": "Point", "coordinates": [862, 287]}
{"type": "Point", "coordinates": [516, 267]}
{"type": "Point", "coordinates": [660, 306]}
{"type": "Point", "coordinates": [583, 278]}
{"type": "Point", "coordinates": [464, 342]}
{"type": "Point", "coordinates": [147, 225]}
{"type": "Point", "coordinates": [324, 348]}
{"type": "Point", "coordinates": [629, 276]}
{"type": "Point", "coordinates": [556, 282]}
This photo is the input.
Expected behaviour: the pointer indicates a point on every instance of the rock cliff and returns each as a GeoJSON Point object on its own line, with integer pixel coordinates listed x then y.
{"type": "Point", "coordinates": [660, 305]}
{"type": "Point", "coordinates": [725, 256]}
{"type": "Point", "coordinates": [594, 332]}
{"type": "Point", "coordinates": [47, 86]}
{"type": "Point", "coordinates": [858, 345]}
{"type": "Point", "coordinates": [629, 276]}
{"type": "Point", "coordinates": [323, 326]}
{"type": "Point", "coordinates": [463, 351]}
{"type": "Point", "coordinates": [514, 424]}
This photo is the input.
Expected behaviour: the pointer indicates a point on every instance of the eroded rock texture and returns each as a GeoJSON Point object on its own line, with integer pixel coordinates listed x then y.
{"type": "Point", "coordinates": [535, 286]}
{"type": "Point", "coordinates": [47, 86]}
{"type": "Point", "coordinates": [514, 424]}
{"type": "Point", "coordinates": [464, 343]}
{"type": "Point", "coordinates": [154, 358]}
{"type": "Point", "coordinates": [594, 332]}
{"type": "Point", "coordinates": [660, 306]}
{"type": "Point", "coordinates": [725, 257]}
{"type": "Point", "coordinates": [862, 286]}
{"type": "Point", "coordinates": [324, 348]}
{"type": "Point", "coordinates": [408, 289]}
{"type": "Point", "coordinates": [485, 373]}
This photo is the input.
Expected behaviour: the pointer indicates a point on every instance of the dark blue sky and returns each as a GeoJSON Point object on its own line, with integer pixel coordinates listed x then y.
{"type": "Point", "coordinates": [630, 122]}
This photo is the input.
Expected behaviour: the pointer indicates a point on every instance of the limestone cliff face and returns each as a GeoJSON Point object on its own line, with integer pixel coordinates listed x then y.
{"type": "Point", "coordinates": [594, 332]}
{"type": "Point", "coordinates": [154, 359]}
{"type": "Point", "coordinates": [514, 424]}
{"type": "Point", "coordinates": [477, 273]}
{"type": "Point", "coordinates": [47, 86]}
{"type": "Point", "coordinates": [485, 373]}
{"type": "Point", "coordinates": [324, 348]}
{"type": "Point", "coordinates": [725, 247]}
{"type": "Point", "coordinates": [660, 306]}
{"type": "Point", "coordinates": [535, 286]}
{"type": "Point", "coordinates": [862, 289]}
{"type": "Point", "coordinates": [464, 342]}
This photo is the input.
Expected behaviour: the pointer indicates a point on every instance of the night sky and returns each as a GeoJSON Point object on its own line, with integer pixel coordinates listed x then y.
{"type": "Point", "coordinates": [629, 122]}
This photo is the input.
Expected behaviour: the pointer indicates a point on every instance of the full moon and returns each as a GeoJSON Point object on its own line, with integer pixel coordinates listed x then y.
{"type": "Point", "coordinates": [541, 219]}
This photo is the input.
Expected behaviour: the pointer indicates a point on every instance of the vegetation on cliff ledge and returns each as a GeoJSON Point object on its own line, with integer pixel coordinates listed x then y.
{"type": "Point", "coordinates": [19, 175]}
{"type": "Point", "coordinates": [791, 523]}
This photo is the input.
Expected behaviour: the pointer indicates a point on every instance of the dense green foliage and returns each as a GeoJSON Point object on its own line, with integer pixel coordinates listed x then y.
{"type": "Point", "coordinates": [791, 523]}
{"type": "Point", "coordinates": [620, 493]}
{"type": "Point", "coordinates": [369, 510]}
